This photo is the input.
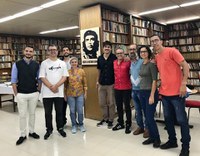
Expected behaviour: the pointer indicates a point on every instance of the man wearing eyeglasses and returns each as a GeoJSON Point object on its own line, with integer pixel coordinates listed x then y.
{"type": "Point", "coordinates": [135, 80]}
{"type": "Point", "coordinates": [174, 71]}
{"type": "Point", "coordinates": [53, 73]}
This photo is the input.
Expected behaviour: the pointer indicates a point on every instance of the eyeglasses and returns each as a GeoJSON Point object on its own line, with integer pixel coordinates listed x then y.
{"type": "Point", "coordinates": [144, 51]}
{"type": "Point", "coordinates": [52, 49]}
{"type": "Point", "coordinates": [132, 49]}
{"type": "Point", "coordinates": [119, 53]}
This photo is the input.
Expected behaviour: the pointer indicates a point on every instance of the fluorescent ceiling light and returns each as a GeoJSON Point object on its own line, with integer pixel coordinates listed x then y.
{"type": "Point", "coordinates": [190, 3]}
{"type": "Point", "coordinates": [52, 3]}
{"type": "Point", "coordinates": [183, 19]}
{"type": "Point", "coordinates": [8, 18]}
{"type": "Point", "coordinates": [26, 12]}
{"type": "Point", "coordinates": [32, 10]}
{"type": "Point", "coordinates": [159, 10]}
{"type": "Point", "coordinates": [57, 30]}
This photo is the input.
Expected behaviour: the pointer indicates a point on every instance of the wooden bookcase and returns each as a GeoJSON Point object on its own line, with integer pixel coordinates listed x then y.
{"type": "Point", "coordinates": [115, 27]}
{"type": "Point", "coordinates": [12, 46]}
{"type": "Point", "coordinates": [186, 37]}
{"type": "Point", "coordinates": [143, 28]}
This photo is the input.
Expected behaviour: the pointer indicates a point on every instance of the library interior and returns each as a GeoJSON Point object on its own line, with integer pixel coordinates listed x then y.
{"type": "Point", "coordinates": [30, 29]}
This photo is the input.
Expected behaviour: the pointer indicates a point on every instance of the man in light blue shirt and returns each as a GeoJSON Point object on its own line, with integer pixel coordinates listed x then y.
{"type": "Point", "coordinates": [135, 80]}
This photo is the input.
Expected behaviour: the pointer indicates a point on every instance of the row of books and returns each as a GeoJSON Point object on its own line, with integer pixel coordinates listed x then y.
{"type": "Point", "coordinates": [194, 74]}
{"type": "Point", "coordinates": [140, 31]}
{"type": "Point", "coordinates": [141, 40]}
{"type": "Point", "coordinates": [182, 41]}
{"type": "Point", "coordinates": [157, 27]}
{"type": "Point", "coordinates": [5, 58]}
{"type": "Point", "coordinates": [184, 33]}
{"type": "Point", "coordinates": [189, 48]}
{"type": "Point", "coordinates": [185, 26]}
{"type": "Point", "coordinates": [115, 38]}
{"type": "Point", "coordinates": [194, 65]}
{"type": "Point", "coordinates": [5, 45]}
{"type": "Point", "coordinates": [115, 27]}
{"type": "Point", "coordinates": [193, 82]}
{"type": "Point", "coordinates": [5, 65]}
{"type": "Point", "coordinates": [141, 23]}
{"type": "Point", "coordinates": [4, 52]}
{"type": "Point", "coordinates": [114, 16]}
{"type": "Point", "coordinates": [191, 56]}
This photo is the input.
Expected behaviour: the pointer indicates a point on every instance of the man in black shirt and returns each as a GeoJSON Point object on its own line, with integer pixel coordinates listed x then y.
{"type": "Point", "coordinates": [105, 83]}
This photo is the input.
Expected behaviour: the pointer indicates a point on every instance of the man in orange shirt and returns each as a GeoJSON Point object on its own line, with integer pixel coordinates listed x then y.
{"type": "Point", "coordinates": [173, 70]}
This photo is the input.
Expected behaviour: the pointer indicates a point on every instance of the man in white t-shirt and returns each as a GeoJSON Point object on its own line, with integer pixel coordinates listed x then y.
{"type": "Point", "coordinates": [53, 73]}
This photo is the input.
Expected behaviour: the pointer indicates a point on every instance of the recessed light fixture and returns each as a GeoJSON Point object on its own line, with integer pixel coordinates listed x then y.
{"type": "Point", "coordinates": [32, 10]}
{"type": "Point", "coordinates": [183, 19]}
{"type": "Point", "coordinates": [159, 10]}
{"type": "Point", "coordinates": [57, 30]}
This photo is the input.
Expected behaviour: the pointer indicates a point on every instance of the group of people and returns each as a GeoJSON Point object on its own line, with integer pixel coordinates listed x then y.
{"type": "Point", "coordinates": [60, 82]}
{"type": "Point", "coordinates": [120, 77]}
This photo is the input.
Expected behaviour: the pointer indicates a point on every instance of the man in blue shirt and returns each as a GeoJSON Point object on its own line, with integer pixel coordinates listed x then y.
{"type": "Point", "coordinates": [135, 80]}
{"type": "Point", "coordinates": [24, 81]}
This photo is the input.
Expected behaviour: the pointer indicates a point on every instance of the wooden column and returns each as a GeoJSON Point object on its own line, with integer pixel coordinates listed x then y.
{"type": "Point", "coordinates": [90, 18]}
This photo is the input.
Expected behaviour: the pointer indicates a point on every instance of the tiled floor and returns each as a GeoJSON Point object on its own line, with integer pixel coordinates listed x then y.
{"type": "Point", "coordinates": [94, 142]}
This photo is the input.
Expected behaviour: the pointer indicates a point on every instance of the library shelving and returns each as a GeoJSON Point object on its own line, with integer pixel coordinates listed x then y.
{"type": "Point", "coordinates": [12, 46]}
{"type": "Point", "coordinates": [115, 27]}
{"type": "Point", "coordinates": [143, 28]}
{"type": "Point", "coordinates": [185, 37]}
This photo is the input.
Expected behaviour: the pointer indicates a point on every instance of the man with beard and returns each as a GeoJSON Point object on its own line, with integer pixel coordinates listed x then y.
{"type": "Point", "coordinates": [67, 54]}
{"type": "Point", "coordinates": [25, 87]}
{"type": "Point", "coordinates": [90, 45]}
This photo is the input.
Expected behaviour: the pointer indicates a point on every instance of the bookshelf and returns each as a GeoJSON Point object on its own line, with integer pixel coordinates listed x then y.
{"type": "Point", "coordinates": [12, 46]}
{"type": "Point", "coordinates": [185, 37]}
{"type": "Point", "coordinates": [143, 28]}
{"type": "Point", "coordinates": [115, 27]}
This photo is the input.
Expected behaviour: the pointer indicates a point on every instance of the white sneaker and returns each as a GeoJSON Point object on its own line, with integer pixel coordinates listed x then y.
{"type": "Point", "coordinates": [74, 130]}
{"type": "Point", "coordinates": [82, 128]}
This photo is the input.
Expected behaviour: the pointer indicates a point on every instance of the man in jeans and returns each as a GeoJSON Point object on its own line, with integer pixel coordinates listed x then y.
{"type": "Point", "coordinates": [174, 72]}
{"type": "Point", "coordinates": [135, 80]}
{"type": "Point", "coordinates": [105, 82]}
{"type": "Point", "coordinates": [25, 87]}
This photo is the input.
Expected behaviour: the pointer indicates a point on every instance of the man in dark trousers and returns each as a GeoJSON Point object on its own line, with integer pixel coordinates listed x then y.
{"type": "Point", "coordinates": [25, 86]}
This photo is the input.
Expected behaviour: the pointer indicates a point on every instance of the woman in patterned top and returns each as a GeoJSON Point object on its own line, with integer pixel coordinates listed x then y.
{"type": "Point", "coordinates": [76, 91]}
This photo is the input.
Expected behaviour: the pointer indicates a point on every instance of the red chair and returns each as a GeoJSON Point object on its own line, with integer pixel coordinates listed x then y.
{"type": "Point", "coordinates": [192, 104]}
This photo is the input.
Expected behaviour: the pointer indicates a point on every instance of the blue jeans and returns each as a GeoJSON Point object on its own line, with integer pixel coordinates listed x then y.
{"type": "Point", "coordinates": [149, 111]}
{"type": "Point", "coordinates": [76, 104]}
{"type": "Point", "coordinates": [138, 109]}
{"type": "Point", "coordinates": [176, 104]}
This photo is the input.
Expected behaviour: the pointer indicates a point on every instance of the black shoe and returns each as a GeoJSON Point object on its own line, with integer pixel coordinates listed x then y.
{"type": "Point", "coordinates": [128, 129]}
{"type": "Point", "coordinates": [34, 135]}
{"type": "Point", "coordinates": [20, 140]}
{"type": "Point", "coordinates": [168, 145]}
{"type": "Point", "coordinates": [101, 122]}
{"type": "Point", "coordinates": [156, 143]}
{"type": "Point", "coordinates": [46, 136]}
{"type": "Point", "coordinates": [118, 127]}
{"type": "Point", "coordinates": [62, 133]}
{"type": "Point", "coordinates": [110, 124]}
{"type": "Point", "coordinates": [184, 152]}
{"type": "Point", "coordinates": [148, 141]}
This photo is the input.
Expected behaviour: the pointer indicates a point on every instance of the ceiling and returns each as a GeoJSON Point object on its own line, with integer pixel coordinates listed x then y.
{"type": "Point", "coordinates": [67, 14]}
